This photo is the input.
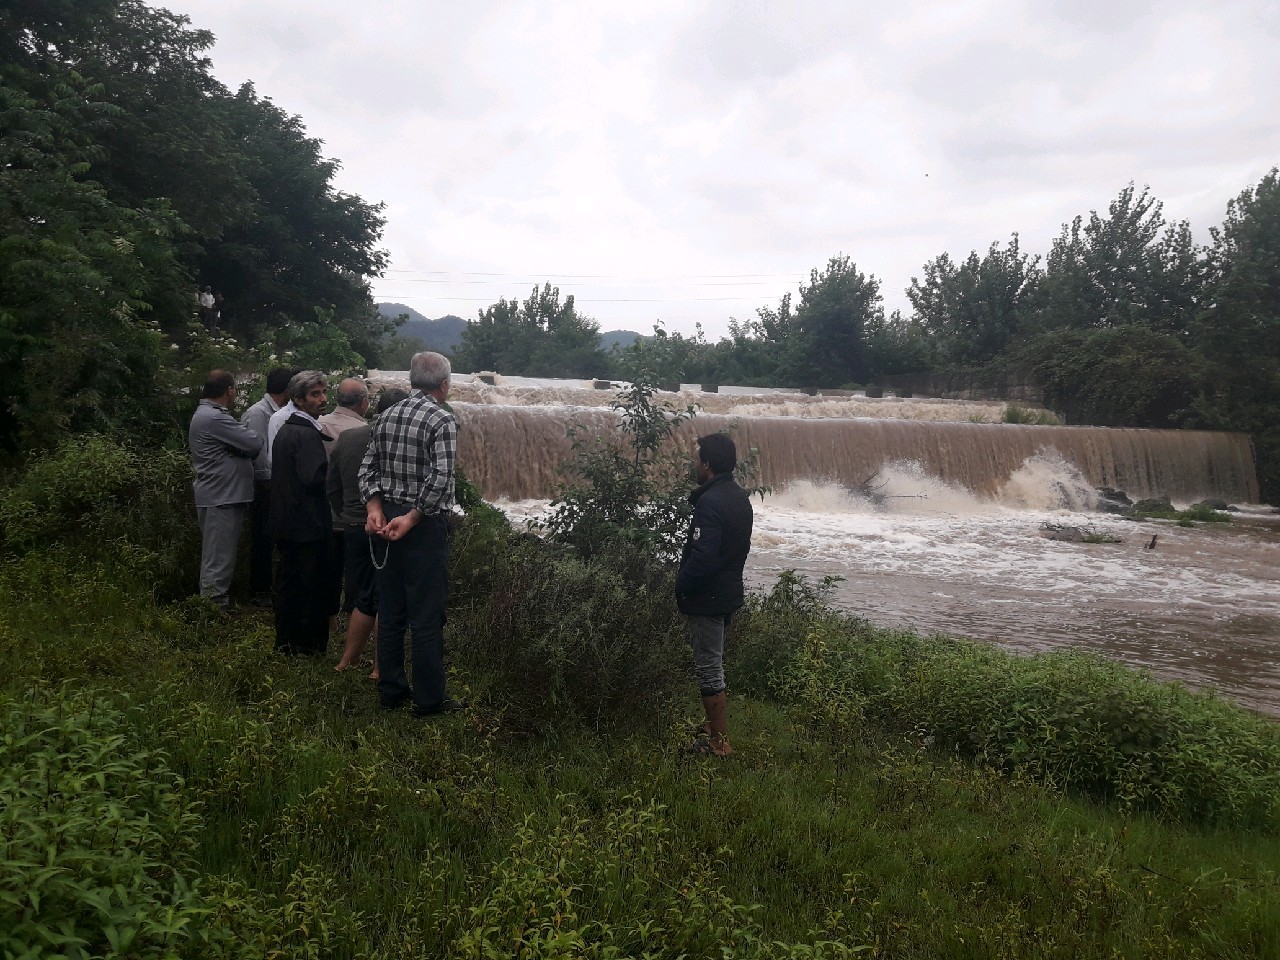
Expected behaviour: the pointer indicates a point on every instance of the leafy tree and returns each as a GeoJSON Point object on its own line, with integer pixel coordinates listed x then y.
{"type": "Point", "coordinates": [634, 491]}
{"type": "Point", "coordinates": [1128, 268]}
{"type": "Point", "coordinates": [895, 344]}
{"type": "Point", "coordinates": [128, 176]}
{"type": "Point", "coordinates": [1239, 330]}
{"type": "Point", "coordinates": [667, 357]}
{"type": "Point", "coordinates": [306, 245]}
{"type": "Point", "coordinates": [78, 273]}
{"type": "Point", "coordinates": [971, 312]}
{"type": "Point", "coordinates": [1119, 377]}
{"type": "Point", "coordinates": [835, 307]}
{"type": "Point", "coordinates": [541, 337]}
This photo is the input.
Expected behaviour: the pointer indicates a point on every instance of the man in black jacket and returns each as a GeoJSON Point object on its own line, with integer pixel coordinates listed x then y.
{"type": "Point", "coordinates": [709, 584]}
{"type": "Point", "coordinates": [299, 519]}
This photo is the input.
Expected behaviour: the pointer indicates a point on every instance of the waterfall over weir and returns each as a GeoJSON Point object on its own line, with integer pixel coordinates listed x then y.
{"type": "Point", "coordinates": [515, 451]}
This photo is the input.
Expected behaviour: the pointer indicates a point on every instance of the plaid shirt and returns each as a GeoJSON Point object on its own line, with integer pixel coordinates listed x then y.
{"type": "Point", "coordinates": [412, 447]}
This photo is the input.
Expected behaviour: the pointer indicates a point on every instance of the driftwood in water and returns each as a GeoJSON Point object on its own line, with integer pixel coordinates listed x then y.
{"type": "Point", "coordinates": [872, 490]}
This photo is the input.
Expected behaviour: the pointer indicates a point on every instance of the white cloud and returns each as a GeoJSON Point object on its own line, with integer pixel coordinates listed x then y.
{"type": "Point", "coordinates": [662, 148]}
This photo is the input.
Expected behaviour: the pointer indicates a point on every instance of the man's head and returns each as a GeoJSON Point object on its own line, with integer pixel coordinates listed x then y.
{"type": "Point", "coordinates": [220, 387]}
{"type": "Point", "coordinates": [278, 383]}
{"type": "Point", "coordinates": [389, 398]}
{"type": "Point", "coordinates": [309, 391]}
{"type": "Point", "coordinates": [354, 395]}
{"type": "Point", "coordinates": [716, 455]}
{"type": "Point", "coordinates": [429, 372]}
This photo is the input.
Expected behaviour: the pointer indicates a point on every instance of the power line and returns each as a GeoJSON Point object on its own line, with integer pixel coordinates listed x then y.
{"type": "Point", "coordinates": [701, 283]}
{"type": "Point", "coordinates": [604, 276]}
{"type": "Point", "coordinates": [424, 296]}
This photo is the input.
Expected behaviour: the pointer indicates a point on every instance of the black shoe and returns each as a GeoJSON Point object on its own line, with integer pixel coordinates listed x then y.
{"type": "Point", "coordinates": [444, 706]}
{"type": "Point", "coordinates": [261, 600]}
{"type": "Point", "coordinates": [396, 704]}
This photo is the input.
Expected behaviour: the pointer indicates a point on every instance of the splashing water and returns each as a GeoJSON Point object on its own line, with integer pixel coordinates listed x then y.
{"type": "Point", "coordinates": [1046, 481]}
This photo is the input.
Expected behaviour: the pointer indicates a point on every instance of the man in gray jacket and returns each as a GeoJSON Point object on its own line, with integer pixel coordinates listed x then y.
{"type": "Point", "coordinates": [222, 452]}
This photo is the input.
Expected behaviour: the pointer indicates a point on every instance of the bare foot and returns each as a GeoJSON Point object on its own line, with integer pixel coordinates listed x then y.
{"type": "Point", "coordinates": [343, 665]}
{"type": "Point", "coordinates": [374, 676]}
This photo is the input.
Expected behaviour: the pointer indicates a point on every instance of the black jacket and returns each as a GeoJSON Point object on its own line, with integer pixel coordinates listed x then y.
{"type": "Point", "coordinates": [710, 579]}
{"type": "Point", "coordinates": [299, 467]}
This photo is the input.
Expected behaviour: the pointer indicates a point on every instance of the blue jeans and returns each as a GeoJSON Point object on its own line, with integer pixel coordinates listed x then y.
{"type": "Point", "coordinates": [413, 588]}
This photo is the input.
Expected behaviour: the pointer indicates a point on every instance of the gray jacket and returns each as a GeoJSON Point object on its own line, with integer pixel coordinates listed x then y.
{"type": "Point", "coordinates": [256, 419]}
{"type": "Point", "coordinates": [222, 452]}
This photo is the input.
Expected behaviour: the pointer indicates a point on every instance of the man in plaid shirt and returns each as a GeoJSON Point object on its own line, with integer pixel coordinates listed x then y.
{"type": "Point", "coordinates": [406, 482]}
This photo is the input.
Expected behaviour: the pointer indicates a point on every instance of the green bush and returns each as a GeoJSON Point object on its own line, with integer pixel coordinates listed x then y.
{"type": "Point", "coordinates": [1041, 418]}
{"type": "Point", "coordinates": [98, 496]}
{"type": "Point", "coordinates": [1081, 723]}
{"type": "Point", "coordinates": [769, 632]}
{"type": "Point", "coordinates": [613, 885]}
{"type": "Point", "coordinates": [631, 489]}
{"type": "Point", "coordinates": [98, 835]}
{"type": "Point", "coordinates": [552, 637]}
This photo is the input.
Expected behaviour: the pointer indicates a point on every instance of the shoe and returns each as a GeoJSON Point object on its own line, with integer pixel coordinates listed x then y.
{"type": "Point", "coordinates": [444, 706]}
{"type": "Point", "coordinates": [261, 600]}
{"type": "Point", "coordinates": [396, 704]}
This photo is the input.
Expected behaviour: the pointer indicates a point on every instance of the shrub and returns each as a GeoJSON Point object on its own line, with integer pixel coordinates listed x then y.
{"type": "Point", "coordinates": [613, 884]}
{"type": "Point", "coordinates": [558, 638]}
{"type": "Point", "coordinates": [634, 491]}
{"type": "Point", "coordinates": [98, 836]}
{"type": "Point", "coordinates": [768, 633]}
{"type": "Point", "coordinates": [1041, 418]}
{"type": "Point", "coordinates": [93, 494]}
{"type": "Point", "coordinates": [1081, 723]}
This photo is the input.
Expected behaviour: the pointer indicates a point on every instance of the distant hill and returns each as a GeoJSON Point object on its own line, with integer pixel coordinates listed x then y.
{"type": "Point", "coordinates": [618, 338]}
{"type": "Point", "coordinates": [445, 333]}
{"type": "Point", "coordinates": [442, 334]}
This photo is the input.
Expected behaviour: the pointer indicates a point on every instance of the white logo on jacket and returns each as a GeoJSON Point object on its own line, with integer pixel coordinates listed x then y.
{"type": "Point", "coordinates": [697, 533]}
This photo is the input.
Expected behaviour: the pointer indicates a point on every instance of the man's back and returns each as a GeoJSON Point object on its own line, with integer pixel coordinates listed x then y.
{"type": "Point", "coordinates": [221, 456]}
{"type": "Point", "coordinates": [715, 551]}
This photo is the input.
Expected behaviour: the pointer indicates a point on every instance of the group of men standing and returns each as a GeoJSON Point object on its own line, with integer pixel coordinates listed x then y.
{"type": "Point", "coordinates": [339, 499]}
{"type": "Point", "coordinates": [380, 511]}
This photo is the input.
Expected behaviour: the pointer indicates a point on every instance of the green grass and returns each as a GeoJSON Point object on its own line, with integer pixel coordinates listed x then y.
{"type": "Point", "coordinates": [1199, 513]}
{"type": "Point", "coordinates": [875, 806]}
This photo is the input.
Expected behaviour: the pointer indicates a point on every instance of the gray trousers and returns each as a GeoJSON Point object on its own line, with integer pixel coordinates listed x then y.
{"type": "Point", "coordinates": [219, 537]}
{"type": "Point", "coordinates": [706, 636]}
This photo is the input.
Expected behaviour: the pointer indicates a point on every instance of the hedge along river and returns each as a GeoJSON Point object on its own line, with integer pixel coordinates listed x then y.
{"type": "Point", "coordinates": [950, 538]}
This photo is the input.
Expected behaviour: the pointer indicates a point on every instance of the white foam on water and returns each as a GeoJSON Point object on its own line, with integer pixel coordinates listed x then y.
{"type": "Point", "coordinates": [1048, 482]}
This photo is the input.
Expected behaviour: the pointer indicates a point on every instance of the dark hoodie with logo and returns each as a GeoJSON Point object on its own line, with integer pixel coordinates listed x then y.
{"type": "Point", "coordinates": [709, 583]}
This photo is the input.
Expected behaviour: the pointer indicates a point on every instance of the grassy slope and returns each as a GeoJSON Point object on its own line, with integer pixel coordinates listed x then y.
{"type": "Point", "coordinates": [393, 837]}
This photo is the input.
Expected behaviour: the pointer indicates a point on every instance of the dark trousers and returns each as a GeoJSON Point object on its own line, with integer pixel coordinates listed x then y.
{"type": "Point", "coordinates": [337, 551]}
{"type": "Point", "coordinates": [302, 620]}
{"type": "Point", "coordinates": [260, 545]}
{"type": "Point", "coordinates": [413, 588]}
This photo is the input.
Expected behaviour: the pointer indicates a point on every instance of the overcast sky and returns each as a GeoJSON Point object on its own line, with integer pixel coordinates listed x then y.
{"type": "Point", "coordinates": [691, 161]}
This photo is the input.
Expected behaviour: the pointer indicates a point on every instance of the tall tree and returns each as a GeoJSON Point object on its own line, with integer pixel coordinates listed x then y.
{"type": "Point", "coordinates": [128, 176]}
{"type": "Point", "coordinates": [971, 312]}
{"type": "Point", "coordinates": [834, 310]}
{"type": "Point", "coordinates": [1127, 268]}
{"type": "Point", "coordinates": [1239, 330]}
{"type": "Point", "coordinates": [539, 337]}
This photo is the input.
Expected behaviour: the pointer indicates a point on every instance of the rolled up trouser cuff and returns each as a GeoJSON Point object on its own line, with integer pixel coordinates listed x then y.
{"type": "Point", "coordinates": [706, 637]}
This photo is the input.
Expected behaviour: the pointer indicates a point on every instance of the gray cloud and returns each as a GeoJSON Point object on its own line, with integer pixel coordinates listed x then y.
{"type": "Point", "coordinates": [687, 138]}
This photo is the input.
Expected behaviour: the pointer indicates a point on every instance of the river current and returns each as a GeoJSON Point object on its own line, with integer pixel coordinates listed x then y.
{"type": "Point", "coordinates": [1201, 605]}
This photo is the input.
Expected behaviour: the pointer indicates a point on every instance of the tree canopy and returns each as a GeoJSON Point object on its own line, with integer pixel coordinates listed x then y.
{"type": "Point", "coordinates": [129, 179]}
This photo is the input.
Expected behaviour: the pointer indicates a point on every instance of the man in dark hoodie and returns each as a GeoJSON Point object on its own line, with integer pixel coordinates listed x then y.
{"type": "Point", "coordinates": [709, 584]}
{"type": "Point", "coordinates": [299, 519]}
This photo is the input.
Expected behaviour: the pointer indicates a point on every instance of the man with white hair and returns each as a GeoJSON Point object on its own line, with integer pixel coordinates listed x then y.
{"type": "Point", "coordinates": [406, 482]}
